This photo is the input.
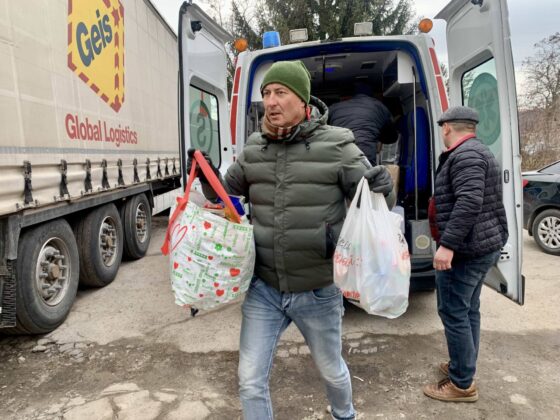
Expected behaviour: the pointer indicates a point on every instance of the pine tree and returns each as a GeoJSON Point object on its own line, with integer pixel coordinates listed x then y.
{"type": "Point", "coordinates": [332, 19]}
{"type": "Point", "coordinates": [323, 19]}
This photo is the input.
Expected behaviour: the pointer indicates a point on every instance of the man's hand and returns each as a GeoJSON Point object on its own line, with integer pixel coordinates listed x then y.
{"type": "Point", "coordinates": [190, 158]}
{"type": "Point", "coordinates": [442, 259]}
{"type": "Point", "coordinates": [379, 180]}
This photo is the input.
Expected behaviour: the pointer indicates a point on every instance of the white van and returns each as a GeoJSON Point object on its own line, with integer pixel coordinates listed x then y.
{"type": "Point", "coordinates": [405, 72]}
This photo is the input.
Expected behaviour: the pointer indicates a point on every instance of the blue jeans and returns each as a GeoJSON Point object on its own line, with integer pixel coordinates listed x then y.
{"type": "Point", "coordinates": [266, 315]}
{"type": "Point", "coordinates": [458, 297]}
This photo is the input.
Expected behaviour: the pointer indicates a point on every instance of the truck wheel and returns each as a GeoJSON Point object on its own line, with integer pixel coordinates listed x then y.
{"type": "Point", "coordinates": [546, 231]}
{"type": "Point", "coordinates": [47, 277]}
{"type": "Point", "coordinates": [100, 246]}
{"type": "Point", "coordinates": [137, 226]}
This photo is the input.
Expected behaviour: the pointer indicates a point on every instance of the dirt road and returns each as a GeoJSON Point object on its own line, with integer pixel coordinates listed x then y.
{"type": "Point", "coordinates": [127, 352]}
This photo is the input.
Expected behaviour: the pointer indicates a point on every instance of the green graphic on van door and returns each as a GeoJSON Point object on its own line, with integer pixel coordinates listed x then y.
{"type": "Point", "coordinates": [483, 97]}
{"type": "Point", "coordinates": [201, 126]}
{"type": "Point", "coordinates": [480, 91]}
{"type": "Point", "coordinates": [203, 115]}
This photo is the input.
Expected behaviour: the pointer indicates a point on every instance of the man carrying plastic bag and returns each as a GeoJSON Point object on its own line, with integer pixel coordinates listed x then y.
{"type": "Point", "coordinates": [371, 261]}
{"type": "Point", "coordinates": [297, 174]}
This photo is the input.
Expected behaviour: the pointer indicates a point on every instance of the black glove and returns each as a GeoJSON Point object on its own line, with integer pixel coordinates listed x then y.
{"type": "Point", "coordinates": [190, 158]}
{"type": "Point", "coordinates": [379, 180]}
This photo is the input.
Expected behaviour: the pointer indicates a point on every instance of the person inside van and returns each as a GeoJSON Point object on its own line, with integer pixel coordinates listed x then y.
{"type": "Point", "coordinates": [368, 118]}
{"type": "Point", "coordinates": [297, 174]}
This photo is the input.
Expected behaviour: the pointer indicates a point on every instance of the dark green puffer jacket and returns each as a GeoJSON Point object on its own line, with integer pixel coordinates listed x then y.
{"type": "Point", "coordinates": [297, 189]}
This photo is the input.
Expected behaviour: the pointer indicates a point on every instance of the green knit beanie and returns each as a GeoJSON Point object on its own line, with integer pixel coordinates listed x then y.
{"type": "Point", "coordinates": [292, 74]}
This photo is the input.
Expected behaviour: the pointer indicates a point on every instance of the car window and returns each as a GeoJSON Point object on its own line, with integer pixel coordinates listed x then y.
{"type": "Point", "coordinates": [553, 169]}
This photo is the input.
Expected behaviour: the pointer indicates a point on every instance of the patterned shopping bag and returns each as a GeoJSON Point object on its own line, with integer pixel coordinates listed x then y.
{"type": "Point", "coordinates": [211, 258]}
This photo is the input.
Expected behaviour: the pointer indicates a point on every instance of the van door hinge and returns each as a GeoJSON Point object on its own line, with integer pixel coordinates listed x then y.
{"type": "Point", "coordinates": [166, 160]}
{"type": "Point", "coordinates": [87, 181]}
{"type": "Point", "coordinates": [158, 173]}
{"type": "Point", "coordinates": [27, 195]}
{"type": "Point", "coordinates": [120, 179]}
{"type": "Point", "coordinates": [63, 179]}
{"type": "Point", "coordinates": [148, 176]}
{"type": "Point", "coordinates": [135, 164]}
{"type": "Point", "coordinates": [104, 179]}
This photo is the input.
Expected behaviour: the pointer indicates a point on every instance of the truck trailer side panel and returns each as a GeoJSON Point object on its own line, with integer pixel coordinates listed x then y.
{"type": "Point", "coordinates": [89, 145]}
{"type": "Point", "coordinates": [61, 135]}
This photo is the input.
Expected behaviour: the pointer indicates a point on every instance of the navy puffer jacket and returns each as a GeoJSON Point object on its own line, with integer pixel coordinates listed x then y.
{"type": "Point", "coordinates": [470, 214]}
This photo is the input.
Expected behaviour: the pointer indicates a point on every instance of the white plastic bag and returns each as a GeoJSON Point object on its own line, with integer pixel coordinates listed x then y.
{"type": "Point", "coordinates": [371, 260]}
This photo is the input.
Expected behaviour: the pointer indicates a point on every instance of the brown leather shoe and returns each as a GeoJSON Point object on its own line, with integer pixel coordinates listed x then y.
{"type": "Point", "coordinates": [445, 390]}
{"type": "Point", "coordinates": [444, 368]}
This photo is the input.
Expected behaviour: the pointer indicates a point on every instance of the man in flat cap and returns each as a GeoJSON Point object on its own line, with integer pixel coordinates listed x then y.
{"type": "Point", "coordinates": [297, 174]}
{"type": "Point", "coordinates": [468, 222]}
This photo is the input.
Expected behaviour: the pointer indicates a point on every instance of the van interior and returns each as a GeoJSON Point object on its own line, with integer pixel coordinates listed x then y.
{"type": "Point", "coordinates": [395, 80]}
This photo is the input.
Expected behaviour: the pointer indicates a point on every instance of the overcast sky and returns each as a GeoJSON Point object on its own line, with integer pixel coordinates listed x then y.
{"type": "Point", "coordinates": [530, 21]}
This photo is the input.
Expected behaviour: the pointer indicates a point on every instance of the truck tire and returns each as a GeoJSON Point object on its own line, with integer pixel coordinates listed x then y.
{"type": "Point", "coordinates": [100, 246]}
{"type": "Point", "coordinates": [137, 226]}
{"type": "Point", "coordinates": [47, 270]}
{"type": "Point", "coordinates": [546, 231]}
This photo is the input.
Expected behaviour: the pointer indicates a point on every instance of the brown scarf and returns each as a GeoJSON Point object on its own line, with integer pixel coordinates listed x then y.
{"type": "Point", "coordinates": [274, 132]}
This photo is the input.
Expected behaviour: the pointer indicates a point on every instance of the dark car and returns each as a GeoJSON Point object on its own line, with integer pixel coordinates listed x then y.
{"type": "Point", "coordinates": [541, 207]}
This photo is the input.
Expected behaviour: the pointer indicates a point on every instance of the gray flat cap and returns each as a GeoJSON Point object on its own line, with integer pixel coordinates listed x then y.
{"type": "Point", "coordinates": [459, 114]}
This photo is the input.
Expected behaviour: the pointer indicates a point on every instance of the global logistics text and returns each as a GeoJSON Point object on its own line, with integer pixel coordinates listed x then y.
{"type": "Point", "coordinates": [98, 131]}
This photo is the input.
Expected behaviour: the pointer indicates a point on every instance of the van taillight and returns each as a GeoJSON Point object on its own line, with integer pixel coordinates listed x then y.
{"type": "Point", "coordinates": [233, 109]}
{"type": "Point", "coordinates": [525, 182]}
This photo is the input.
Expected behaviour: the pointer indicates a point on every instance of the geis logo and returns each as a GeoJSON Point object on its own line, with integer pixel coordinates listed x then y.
{"type": "Point", "coordinates": [96, 47]}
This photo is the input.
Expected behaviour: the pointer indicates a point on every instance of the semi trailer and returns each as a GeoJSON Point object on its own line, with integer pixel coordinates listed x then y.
{"type": "Point", "coordinates": [89, 148]}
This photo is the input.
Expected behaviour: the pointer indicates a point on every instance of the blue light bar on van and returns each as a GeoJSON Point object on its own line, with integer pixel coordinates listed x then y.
{"type": "Point", "coordinates": [271, 39]}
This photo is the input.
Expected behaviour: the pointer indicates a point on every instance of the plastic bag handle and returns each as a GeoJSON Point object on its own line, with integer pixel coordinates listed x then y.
{"type": "Point", "coordinates": [378, 202]}
{"type": "Point", "coordinates": [216, 185]}
{"type": "Point", "coordinates": [362, 195]}
{"type": "Point", "coordinates": [373, 200]}
{"type": "Point", "coordinates": [181, 204]}
{"type": "Point", "coordinates": [183, 201]}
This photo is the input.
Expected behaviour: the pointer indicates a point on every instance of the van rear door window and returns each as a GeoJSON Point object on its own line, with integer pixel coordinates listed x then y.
{"type": "Point", "coordinates": [204, 118]}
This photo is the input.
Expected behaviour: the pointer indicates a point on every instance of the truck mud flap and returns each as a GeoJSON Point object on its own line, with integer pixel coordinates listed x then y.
{"type": "Point", "coordinates": [7, 296]}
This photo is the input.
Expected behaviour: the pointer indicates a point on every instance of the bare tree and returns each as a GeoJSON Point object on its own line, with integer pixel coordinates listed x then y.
{"type": "Point", "coordinates": [540, 134]}
{"type": "Point", "coordinates": [242, 20]}
{"type": "Point", "coordinates": [543, 73]}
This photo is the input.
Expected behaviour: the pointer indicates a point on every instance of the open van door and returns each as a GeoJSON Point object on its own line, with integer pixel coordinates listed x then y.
{"type": "Point", "coordinates": [481, 75]}
{"type": "Point", "coordinates": [203, 101]}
